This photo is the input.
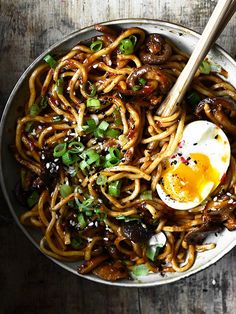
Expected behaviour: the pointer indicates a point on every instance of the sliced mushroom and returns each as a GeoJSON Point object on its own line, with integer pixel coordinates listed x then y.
{"type": "Point", "coordinates": [156, 50]}
{"type": "Point", "coordinates": [220, 111]}
{"type": "Point", "coordinates": [111, 271]}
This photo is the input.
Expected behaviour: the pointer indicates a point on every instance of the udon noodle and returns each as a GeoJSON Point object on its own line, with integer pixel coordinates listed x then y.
{"type": "Point", "coordinates": [91, 146]}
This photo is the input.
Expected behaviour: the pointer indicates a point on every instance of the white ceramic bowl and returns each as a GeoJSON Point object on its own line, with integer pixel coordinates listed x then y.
{"type": "Point", "coordinates": [9, 171]}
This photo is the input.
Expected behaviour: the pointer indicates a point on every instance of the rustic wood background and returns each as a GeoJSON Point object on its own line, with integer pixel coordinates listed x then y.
{"type": "Point", "coordinates": [29, 282]}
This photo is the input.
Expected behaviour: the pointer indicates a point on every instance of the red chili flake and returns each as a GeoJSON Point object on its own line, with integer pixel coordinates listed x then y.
{"type": "Point", "coordinates": [223, 178]}
{"type": "Point", "coordinates": [183, 160]}
{"type": "Point", "coordinates": [173, 156]}
{"type": "Point", "coordinates": [180, 145]}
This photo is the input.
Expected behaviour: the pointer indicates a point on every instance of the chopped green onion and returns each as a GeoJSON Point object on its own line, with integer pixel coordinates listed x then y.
{"type": "Point", "coordinates": [87, 203]}
{"type": "Point", "coordinates": [28, 126]}
{"type": "Point", "coordinates": [76, 243]}
{"type": "Point", "coordinates": [156, 242]}
{"type": "Point", "coordinates": [90, 127]}
{"type": "Point", "coordinates": [193, 98]}
{"type": "Point", "coordinates": [33, 199]}
{"type": "Point", "coordinates": [127, 45]}
{"type": "Point", "coordinates": [101, 180]}
{"type": "Point", "coordinates": [51, 61]}
{"type": "Point", "coordinates": [100, 131]}
{"type": "Point", "coordinates": [117, 118]}
{"type": "Point", "coordinates": [112, 133]}
{"type": "Point", "coordinates": [114, 188]}
{"type": "Point", "coordinates": [69, 159]}
{"type": "Point", "coordinates": [96, 46]}
{"type": "Point", "coordinates": [82, 221]}
{"type": "Point", "coordinates": [111, 163]}
{"type": "Point", "coordinates": [59, 150]}
{"type": "Point", "coordinates": [94, 103]}
{"type": "Point", "coordinates": [146, 195]}
{"type": "Point", "coordinates": [75, 147]}
{"type": "Point", "coordinates": [93, 156]}
{"type": "Point", "coordinates": [59, 86]}
{"type": "Point", "coordinates": [152, 252]}
{"type": "Point", "coordinates": [34, 110]}
{"type": "Point", "coordinates": [205, 67]}
{"type": "Point", "coordinates": [65, 190]}
{"type": "Point", "coordinates": [89, 213]}
{"type": "Point", "coordinates": [83, 165]}
{"type": "Point", "coordinates": [135, 88]}
{"type": "Point", "coordinates": [92, 88]}
{"type": "Point", "coordinates": [142, 81]}
{"type": "Point", "coordinates": [123, 139]}
{"type": "Point", "coordinates": [43, 103]}
{"type": "Point", "coordinates": [113, 152]}
{"type": "Point", "coordinates": [140, 270]}
{"type": "Point", "coordinates": [103, 126]}
{"type": "Point", "coordinates": [112, 158]}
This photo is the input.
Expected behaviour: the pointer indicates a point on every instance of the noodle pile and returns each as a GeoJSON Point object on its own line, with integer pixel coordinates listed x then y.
{"type": "Point", "coordinates": [91, 147]}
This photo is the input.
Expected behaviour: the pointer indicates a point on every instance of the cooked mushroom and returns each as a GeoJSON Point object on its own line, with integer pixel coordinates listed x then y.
{"type": "Point", "coordinates": [220, 111]}
{"type": "Point", "coordinates": [157, 50]}
{"type": "Point", "coordinates": [156, 80]}
{"type": "Point", "coordinates": [198, 234]}
{"type": "Point", "coordinates": [136, 232]}
{"type": "Point", "coordinates": [111, 271]}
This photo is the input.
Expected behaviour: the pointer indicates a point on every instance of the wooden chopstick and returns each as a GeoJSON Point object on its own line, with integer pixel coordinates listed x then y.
{"type": "Point", "coordinates": [218, 20]}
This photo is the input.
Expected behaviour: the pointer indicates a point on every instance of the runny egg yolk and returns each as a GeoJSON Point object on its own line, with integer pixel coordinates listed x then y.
{"type": "Point", "coordinates": [190, 180]}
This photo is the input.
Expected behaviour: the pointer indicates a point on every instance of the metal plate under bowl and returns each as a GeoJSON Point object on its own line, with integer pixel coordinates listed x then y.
{"type": "Point", "coordinates": [9, 171]}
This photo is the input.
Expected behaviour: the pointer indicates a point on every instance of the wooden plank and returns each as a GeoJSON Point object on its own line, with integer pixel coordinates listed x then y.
{"type": "Point", "coordinates": [30, 283]}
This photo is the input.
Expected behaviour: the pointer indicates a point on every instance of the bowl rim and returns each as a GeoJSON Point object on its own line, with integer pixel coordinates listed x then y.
{"type": "Point", "coordinates": [145, 21]}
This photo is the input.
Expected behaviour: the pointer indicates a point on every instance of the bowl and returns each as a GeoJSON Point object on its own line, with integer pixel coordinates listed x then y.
{"type": "Point", "coordinates": [185, 39]}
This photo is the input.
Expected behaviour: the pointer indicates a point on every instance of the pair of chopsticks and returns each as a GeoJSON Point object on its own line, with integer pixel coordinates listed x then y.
{"type": "Point", "coordinates": [220, 17]}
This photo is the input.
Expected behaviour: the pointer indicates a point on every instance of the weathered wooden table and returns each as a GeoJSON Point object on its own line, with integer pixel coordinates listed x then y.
{"type": "Point", "coordinates": [31, 283]}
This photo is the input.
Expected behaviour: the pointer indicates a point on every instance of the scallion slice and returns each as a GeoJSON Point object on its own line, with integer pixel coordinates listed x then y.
{"type": "Point", "coordinates": [193, 98]}
{"type": "Point", "coordinates": [34, 110]}
{"type": "Point", "coordinates": [135, 88]}
{"type": "Point", "coordinates": [28, 126]}
{"type": "Point", "coordinates": [127, 45]}
{"type": "Point", "coordinates": [68, 159]}
{"type": "Point", "coordinates": [114, 188]}
{"type": "Point", "coordinates": [142, 81]}
{"type": "Point", "coordinates": [96, 45]}
{"type": "Point", "coordinates": [75, 147]}
{"type": "Point", "coordinates": [92, 156]}
{"type": "Point", "coordinates": [93, 103]}
{"type": "Point", "coordinates": [33, 199]}
{"type": "Point", "coordinates": [101, 180]}
{"type": "Point", "coordinates": [146, 195]}
{"type": "Point", "coordinates": [152, 252]}
{"type": "Point", "coordinates": [50, 61]}
{"type": "Point", "coordinates": [205, 67]}
{"type": "Point", "coordinates": [112, 133]}
{"type": "Point", "coordinates": [82, 222]}
{"type": "Point", "coordinates": [83, 165]}
{"type": "Point", "coordinates": [92, 89]}
{"type": "Point", "coordinates": [76, 243]}
{"type": "Point", "coordinates": [103, 126]}
{"type": "Point", "coordinates": [65, 190]}
{"type": "Point", "coordinates": [59, 150]}
{"type": "Point", "coordinates": [140, 270]}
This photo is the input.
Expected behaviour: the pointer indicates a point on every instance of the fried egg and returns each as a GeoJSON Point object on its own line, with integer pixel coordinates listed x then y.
{"type": "Point", "coordinates": [196, 168]}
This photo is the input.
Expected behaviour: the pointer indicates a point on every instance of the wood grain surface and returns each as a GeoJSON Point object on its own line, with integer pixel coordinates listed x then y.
{"type": "Point", "coordinates": [31, 283]}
